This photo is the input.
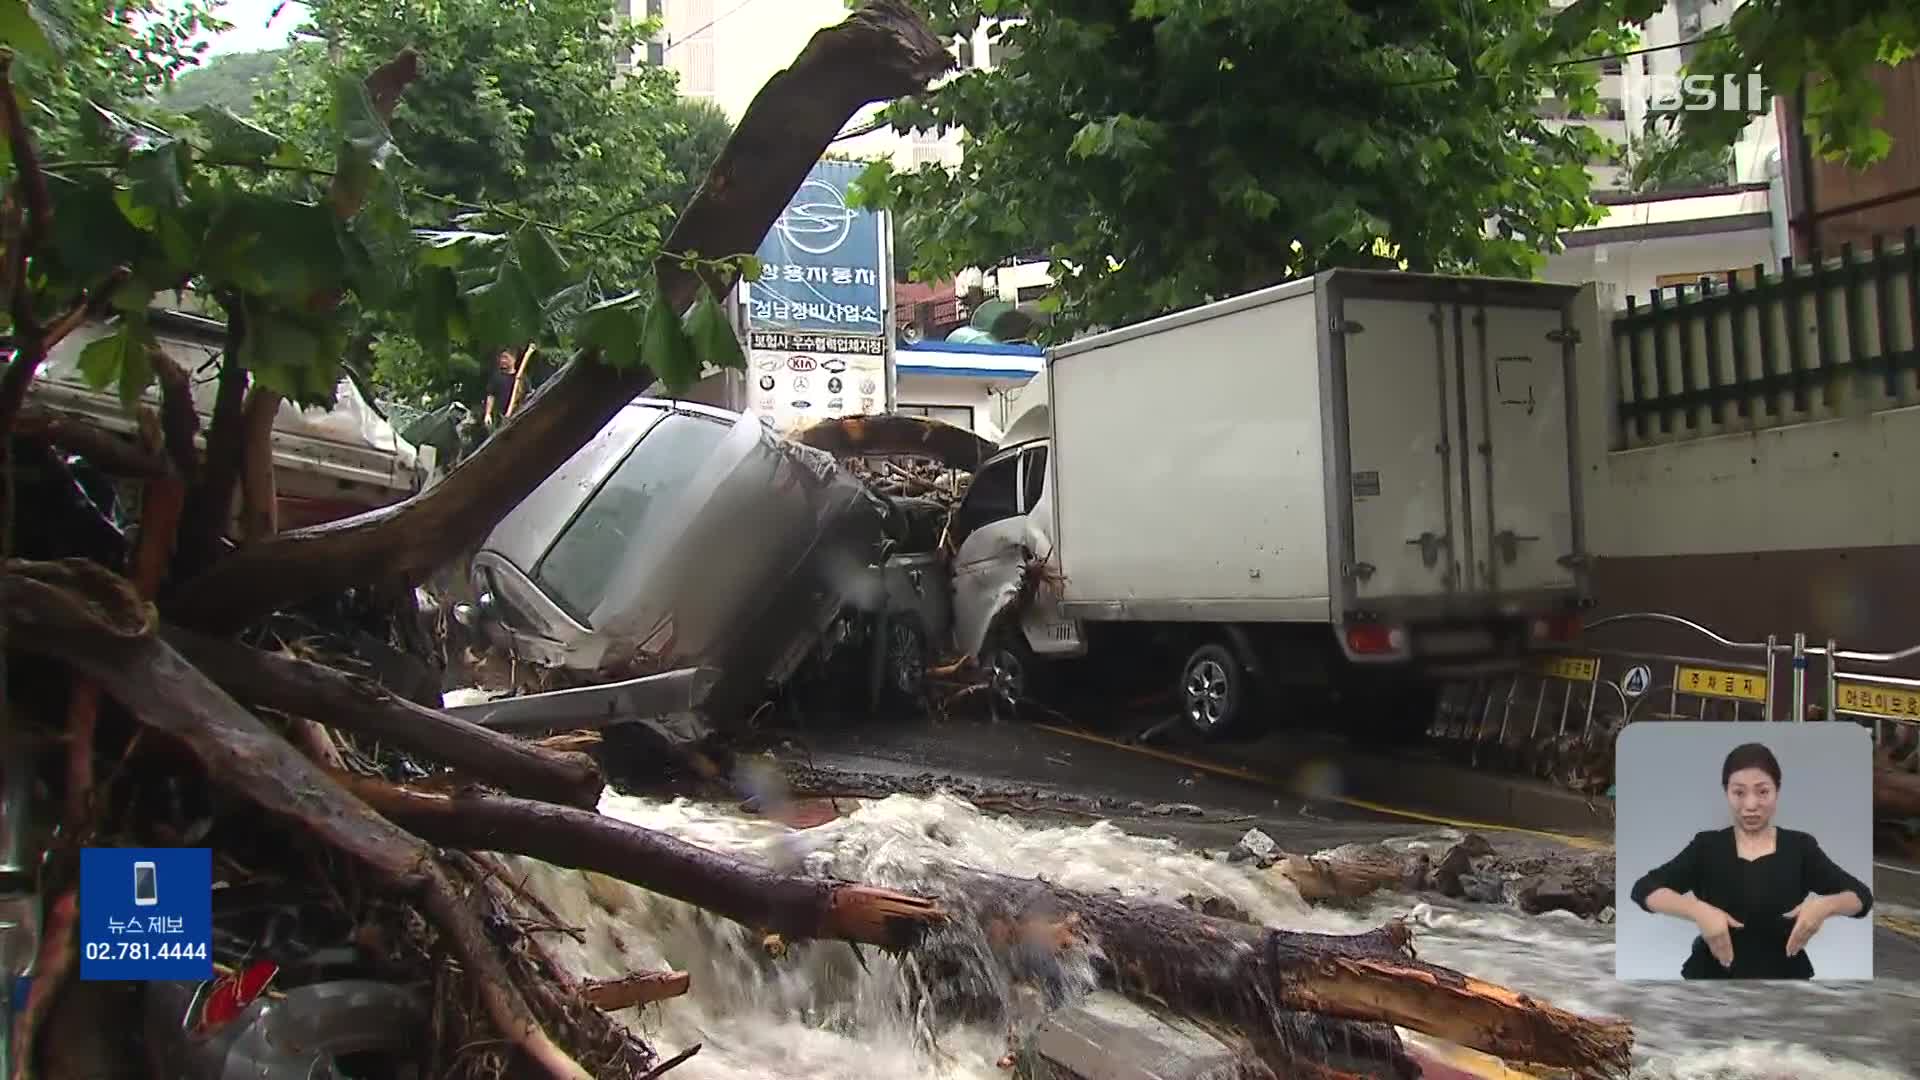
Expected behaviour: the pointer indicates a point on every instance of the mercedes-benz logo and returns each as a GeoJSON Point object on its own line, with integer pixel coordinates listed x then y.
{"type": "Point", "coordinates": [818, 219]}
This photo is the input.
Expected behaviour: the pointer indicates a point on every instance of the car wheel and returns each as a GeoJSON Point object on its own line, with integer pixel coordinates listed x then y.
{"type": "Point", "coordinates": [906, 671]}
{"type": "Point", "coordinates": [1213, 690]}
{"type": "Point", "coordinates": [1013, 674]}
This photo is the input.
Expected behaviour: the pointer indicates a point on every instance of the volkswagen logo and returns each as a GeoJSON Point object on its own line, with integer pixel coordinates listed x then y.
{"type": "Point", "coordinates": [867, 386]}
{"type": "Point", "coordinates": [802, 363]}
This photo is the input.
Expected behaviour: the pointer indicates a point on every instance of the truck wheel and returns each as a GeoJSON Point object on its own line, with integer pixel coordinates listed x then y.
{"type": "Point", "coordinates": [1213, 690]}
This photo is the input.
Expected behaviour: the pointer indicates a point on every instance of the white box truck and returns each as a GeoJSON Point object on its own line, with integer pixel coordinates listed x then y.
{"type": "Point", "coordinates": [1357, 482]}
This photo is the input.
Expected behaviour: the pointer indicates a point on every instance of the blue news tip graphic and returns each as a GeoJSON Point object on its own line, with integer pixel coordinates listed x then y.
{"type": "Point", "coordinates": [146, 913]}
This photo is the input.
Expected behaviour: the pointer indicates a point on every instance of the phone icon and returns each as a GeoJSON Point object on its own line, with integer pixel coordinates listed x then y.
{"type": "Point", "coordinates": [146, 885]}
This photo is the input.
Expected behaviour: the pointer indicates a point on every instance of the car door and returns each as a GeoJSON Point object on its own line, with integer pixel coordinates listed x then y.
{"type": "Point", "coordinates": [988, 536]}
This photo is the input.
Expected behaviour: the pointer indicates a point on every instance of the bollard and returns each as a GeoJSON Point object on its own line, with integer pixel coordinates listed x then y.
{"type": "Point", "coordinates": [1773, 642]}
{"type": "Point", "coordinates": [1799, 677]}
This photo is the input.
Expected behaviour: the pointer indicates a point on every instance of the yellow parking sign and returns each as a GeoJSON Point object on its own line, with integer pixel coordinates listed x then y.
{"type": "Point", "coordinates": [1867, 700]}
{"type": "Point", "coordinates": [1711, 682]}
{"type": "Point", "coordinates": [1571, 668]}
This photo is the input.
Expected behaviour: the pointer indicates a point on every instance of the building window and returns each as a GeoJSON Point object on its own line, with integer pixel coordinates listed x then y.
{"type": "Point", "coordinates": [957, 415]}
{"type": "Point", "coordinates": [690, 44]}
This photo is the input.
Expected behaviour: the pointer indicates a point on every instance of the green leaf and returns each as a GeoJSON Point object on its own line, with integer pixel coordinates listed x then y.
{"type": "Point", "coordinates": [231, 137]}
{"type": "Point", "coordinates": [614, 327]}
{"type": "Point", "coordinates": [751, 268]}
{"type": "Point", "coordinates": [546, 269]}
{"type": "Point", "coordinates": [505, 312]}
{"type": "Point", "coordinates": [292, 357]}
{"type": "Point", "coordinates": [121, 357]}
{"type": "Point", "coordinates": [20, 30]}
{"type": "Point", "coordinates": [453, 248]}
{"type": "Point", "coordinates": [365, 143]}
{"type": "Point", "coordinates": [666, 348]}
{"type": "Point", "coordinates": [712, 336]}
{"type": "Point", "coordinates": [436, 309]}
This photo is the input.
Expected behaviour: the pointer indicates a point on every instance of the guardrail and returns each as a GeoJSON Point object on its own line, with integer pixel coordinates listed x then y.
{"type": "Point", "coordinates": [1764, 681]}
{"type": "Point", "coordinates": [1748, 350]}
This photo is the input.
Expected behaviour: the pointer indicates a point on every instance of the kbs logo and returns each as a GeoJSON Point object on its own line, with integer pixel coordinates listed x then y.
{"type": "Point", "coordinates": [802, 363]}
{"type": "Point", "coordinates": [1703, 93]}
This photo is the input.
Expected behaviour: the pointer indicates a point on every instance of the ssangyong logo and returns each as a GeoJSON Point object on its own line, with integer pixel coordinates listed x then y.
{"type": "Point", "coordinates": [833, 365]}
{"type": "Point", "coordinates": [802, 363]}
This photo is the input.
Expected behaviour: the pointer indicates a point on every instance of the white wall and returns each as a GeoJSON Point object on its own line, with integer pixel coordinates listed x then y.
{"type": "Point", "coordinates": [1634, 267]}
{"type": "Point", "coordinates": [987, 397]}
{"type": "Point", "coordinates": [1840, 483]}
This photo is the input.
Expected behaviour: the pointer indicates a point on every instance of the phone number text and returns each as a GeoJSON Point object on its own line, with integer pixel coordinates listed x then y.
{"type": "Point", "coordinates": [140, 950]}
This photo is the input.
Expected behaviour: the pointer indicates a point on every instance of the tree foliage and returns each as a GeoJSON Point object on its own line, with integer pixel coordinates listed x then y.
{"type": "Point", "coordinates": [1163, 152]}
{"type": "Point", "coordinates": [230, 80]}
{"type": "Point", "coordinates": [299, 246]}
{"type": "Point", "coordinates": [1830, 50]}
{"type": "Point", "coordinates": [1660, 159]}
{"type": "Point", "coordinates": [517, 117]}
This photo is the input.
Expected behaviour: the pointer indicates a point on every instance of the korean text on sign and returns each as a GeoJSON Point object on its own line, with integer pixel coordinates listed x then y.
{"type": "Point", "coordinates": [1709, 682]}
{"type": "Point", "coordinates": [146, 913]}
{"type": "Point", "coordinates": [1868, 700]}
{"type": "Point", "coordinates": [1571, 668]}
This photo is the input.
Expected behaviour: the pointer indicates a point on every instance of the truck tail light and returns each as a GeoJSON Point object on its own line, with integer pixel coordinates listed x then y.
{"type": "Point", "coordinates": [1564, 627]}
{"type": "Point", "coordinates": [1374, 639]}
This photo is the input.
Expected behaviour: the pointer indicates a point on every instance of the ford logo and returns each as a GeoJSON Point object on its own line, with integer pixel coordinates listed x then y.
{"type": "Point", "coordinates": [834, 366]}
{"type": "Point", "coordinates": [802, 363]}
{"type": "Point", "coordinates": [801, 404]}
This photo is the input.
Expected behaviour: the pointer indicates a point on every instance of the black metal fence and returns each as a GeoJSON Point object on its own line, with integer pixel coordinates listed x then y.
{"type": "Point", "coordinates": [1752, 350]}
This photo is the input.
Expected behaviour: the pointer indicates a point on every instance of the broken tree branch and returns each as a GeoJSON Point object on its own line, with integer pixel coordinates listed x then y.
{"type": "Point", "coordinates": [883, 50]}
{"type": "Point", "coordinates": [361, 707]}
{"type": "Point", "coordinates": [179, 420]}
{"type": "Point", "coordinates": [761, 898]}
{"type": "Point", "coordinates": [30, 348]}
{"type": "Point", "coordinates": [211, 505]}
{"type": "Point", "coordinates": [77, 434]}
{"type": "Point", "coordinates": [87, 617]}
{"type": "Point", "coordinates": [642, 989]}
{"type": "Point", "coordinates": [259, 514]}
{"type": "Point", "coordinates": [889, 435]}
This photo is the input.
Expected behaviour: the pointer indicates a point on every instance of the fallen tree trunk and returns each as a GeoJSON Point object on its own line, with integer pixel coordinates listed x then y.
{"type": "Point", "coordinates": [889, 435]}
{"type": "Point", "coordinates": [1233, 972]}
{"type": "Point", "coordinates": [94, 621]}
{"type": "Point", "coordinates": [642, 989]}
{"type": "Point", "coordinates": [361, 707]}
{"type": "Point", "coordinates": [882, 51]}
{"type": "Point", "coordinates": [793, 907]}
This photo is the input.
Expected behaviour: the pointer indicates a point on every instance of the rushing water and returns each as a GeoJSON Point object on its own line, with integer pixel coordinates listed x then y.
{"type": "Point", "coordinates": [823, 1012]}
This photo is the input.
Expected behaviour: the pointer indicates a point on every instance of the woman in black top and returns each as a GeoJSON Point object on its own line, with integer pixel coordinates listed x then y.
{"type": "Point", "coordinates": [1757, 892]}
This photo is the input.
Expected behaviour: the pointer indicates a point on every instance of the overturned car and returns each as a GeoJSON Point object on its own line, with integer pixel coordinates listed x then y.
{"type": "Point", "coordinates": [688, 565]}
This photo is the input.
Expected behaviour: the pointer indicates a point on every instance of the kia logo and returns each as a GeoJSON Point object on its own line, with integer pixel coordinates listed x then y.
{"type": "Point", "coordinates": [835, 365]}
{"type": "Point", "coordinates": [799, 382]}
{"type": "Point", "coordinates": [802, 363]}
{"type": "Point", "coordinates": [766, 382]}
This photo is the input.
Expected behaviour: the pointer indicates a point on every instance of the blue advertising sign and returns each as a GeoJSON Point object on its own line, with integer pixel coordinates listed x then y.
{"type": "Point", "coordinates": [146, 913]}
{"type": "Point", "coordinates": [822, 264]}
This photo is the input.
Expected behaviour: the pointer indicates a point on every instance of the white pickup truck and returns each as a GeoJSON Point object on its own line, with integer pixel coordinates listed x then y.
{"type": "Point", "coordinates": [327, 463]}
{"type": "Point", "coordinates": [1348, 483]}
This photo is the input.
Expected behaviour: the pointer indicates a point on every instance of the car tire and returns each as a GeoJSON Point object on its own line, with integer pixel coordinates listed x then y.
{"type": "Point", "coordinates": [1215, 691]}
{"type": "Point", "coordinates": [903, 685]}
{"type": "Point", "coordinates": [1015, 680]}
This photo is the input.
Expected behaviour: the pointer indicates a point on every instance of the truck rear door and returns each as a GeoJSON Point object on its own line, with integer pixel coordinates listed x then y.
{"type": "Point", "coordinates": [1454, 486]}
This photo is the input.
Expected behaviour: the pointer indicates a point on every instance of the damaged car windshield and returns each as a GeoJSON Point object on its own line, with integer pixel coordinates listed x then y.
{"type": "Point", "coordinates": [619, 517]}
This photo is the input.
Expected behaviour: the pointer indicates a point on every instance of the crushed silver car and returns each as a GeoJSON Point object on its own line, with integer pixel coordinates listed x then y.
{"type": "Point", "coordinates": [687, 562]}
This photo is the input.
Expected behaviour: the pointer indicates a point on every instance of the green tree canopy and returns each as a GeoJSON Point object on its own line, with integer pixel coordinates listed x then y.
{"type": "Point", "coordinates": [1828, 50]}
{"type": "Point", "coordinates": [1163, 152]}
{"type": "Point", "coordinates": [230, 81]}
{"type": "Point", "coordinates": [521, 114]}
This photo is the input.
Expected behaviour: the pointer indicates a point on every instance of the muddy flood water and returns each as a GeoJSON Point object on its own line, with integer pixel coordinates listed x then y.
{"type": "Point", "coordinates": [824, 1013]}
